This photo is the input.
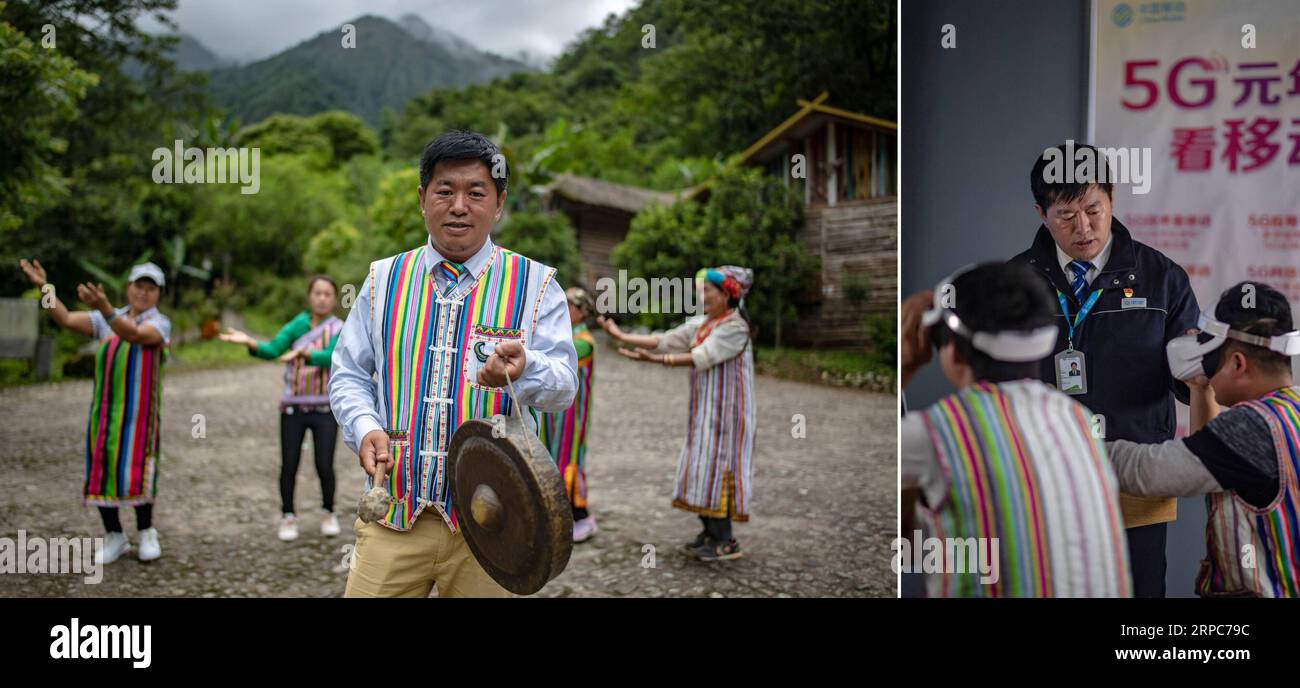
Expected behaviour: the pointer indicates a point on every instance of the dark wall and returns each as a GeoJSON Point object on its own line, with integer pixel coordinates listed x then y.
{"type": "Point", "coordinates": [973, 120]}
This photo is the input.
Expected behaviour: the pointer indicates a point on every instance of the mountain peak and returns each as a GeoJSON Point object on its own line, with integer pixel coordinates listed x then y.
{"type": "Point", "coordinates": [396, 60]}
{"type": "Point", "coordinates": [422, 31]}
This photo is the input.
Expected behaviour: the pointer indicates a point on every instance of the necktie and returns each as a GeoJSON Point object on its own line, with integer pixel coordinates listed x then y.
{"type": "Point", "coordinates": [451, 272]}
{"type": "Point", "coordinates": [1081, 268]}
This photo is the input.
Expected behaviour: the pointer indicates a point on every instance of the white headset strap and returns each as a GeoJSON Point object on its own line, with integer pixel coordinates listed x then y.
{"type": "Point", "coordinates": [1286, 344]}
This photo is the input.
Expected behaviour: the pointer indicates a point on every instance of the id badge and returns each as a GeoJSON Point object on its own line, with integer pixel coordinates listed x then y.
{"type": "Point", "coordinates": [1071, 372]}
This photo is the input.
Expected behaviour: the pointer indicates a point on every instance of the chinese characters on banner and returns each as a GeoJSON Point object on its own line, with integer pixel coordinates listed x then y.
{"type": "Point", "coordinates": [1223, 125]}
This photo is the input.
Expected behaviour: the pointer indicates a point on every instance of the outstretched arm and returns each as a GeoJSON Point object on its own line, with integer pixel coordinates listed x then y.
{"type": "Point", "coordinates": [77, 321]}
{"type": "Point", "coordinates": [643, 341]}
{"type": "Point", "coordinates": [144, 334]}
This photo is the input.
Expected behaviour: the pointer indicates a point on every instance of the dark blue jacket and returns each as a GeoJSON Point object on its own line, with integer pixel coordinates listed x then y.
{"type": "Point", "coordinates": [1128, 375]}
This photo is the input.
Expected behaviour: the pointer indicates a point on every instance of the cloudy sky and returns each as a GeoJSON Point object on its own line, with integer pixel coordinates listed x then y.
{"type": "Point", "coordinates": [247, 30]}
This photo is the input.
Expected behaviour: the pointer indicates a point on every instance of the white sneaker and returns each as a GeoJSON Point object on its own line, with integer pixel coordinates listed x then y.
{"type": "Point", "coordinates": [149, 547]}
{"type": "Point", "coordinates": [115, 545]}
{"type": "Point", "coordinates": [289, 528]}
{"type": "Point", "coordinates": [329, 525]}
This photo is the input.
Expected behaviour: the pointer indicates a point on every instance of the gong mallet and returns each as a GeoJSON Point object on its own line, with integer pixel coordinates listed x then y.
{"type": "Point", "coordinates": [375, 502]}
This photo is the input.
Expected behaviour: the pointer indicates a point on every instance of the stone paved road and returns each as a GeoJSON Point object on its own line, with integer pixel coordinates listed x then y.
{"type": "Point", "coordinates": [823, 511]}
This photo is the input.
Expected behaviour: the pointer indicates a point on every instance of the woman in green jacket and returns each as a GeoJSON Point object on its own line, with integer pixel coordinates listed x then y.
{"type": "Point", "coordinates": [306, 345]}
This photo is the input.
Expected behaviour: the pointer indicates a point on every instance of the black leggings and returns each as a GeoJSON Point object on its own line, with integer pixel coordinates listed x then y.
{"type": "Point", "coordinates": [293, 428]}
{"type": "Point", "coordinates": [113, 524]}
{"type": "Point", "coordinates": [717, 528]}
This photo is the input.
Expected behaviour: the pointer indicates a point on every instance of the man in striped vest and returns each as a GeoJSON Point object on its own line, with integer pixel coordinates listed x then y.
{"type": "Point", "coordinates": [1244, 459]}
{"type": "Point", "coordinates": [1007, 461]}
{"type": "Point", "coordinates": [428, 345]}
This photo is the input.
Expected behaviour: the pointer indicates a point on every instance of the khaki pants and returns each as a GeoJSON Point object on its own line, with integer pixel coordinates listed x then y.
{"type": "Point", "coordinates": [391, 563]}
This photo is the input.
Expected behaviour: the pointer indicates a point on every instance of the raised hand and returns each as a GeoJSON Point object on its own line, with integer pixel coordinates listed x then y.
{"type": "Point", "coordinates": [236, 337]}
{"type": "Point", "coordinates": [93, 295]}
{"type": "Point", "coordinates": [915, 336]}
{"type": "Point", "coordinates": [638, 354]}
{"type": "Point", "coordinates": [610, 327]}
{"type": "Point", "coordinates": [34, 271]}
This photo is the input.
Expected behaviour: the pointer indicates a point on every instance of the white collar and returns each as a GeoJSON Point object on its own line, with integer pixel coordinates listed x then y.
{"type": "Point", "coordinates": [475, 265]}
{"type": "Point", "coordinates": [1098, 263]}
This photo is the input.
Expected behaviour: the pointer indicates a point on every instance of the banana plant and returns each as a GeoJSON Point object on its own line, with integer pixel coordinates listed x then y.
{"type": "Point", "coordinates": [176, 265]}
{"type": "Point", "coordinates": [116, 284]}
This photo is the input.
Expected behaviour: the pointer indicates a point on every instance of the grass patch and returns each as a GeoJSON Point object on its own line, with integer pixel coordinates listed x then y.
{"type": "Point", "coordinates": [856, 369]}
{"type": "Point", "coordinates": [208, 353]}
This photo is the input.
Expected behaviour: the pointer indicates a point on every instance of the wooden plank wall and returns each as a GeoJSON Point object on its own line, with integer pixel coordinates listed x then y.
{"type": "Point", "coordinates": [599, 230]}
{"type": "Point", "coordinates": [852, 238]}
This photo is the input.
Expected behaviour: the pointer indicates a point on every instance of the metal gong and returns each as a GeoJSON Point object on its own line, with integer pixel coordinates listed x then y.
{"type": "Point", "coordinates": [511, 502]}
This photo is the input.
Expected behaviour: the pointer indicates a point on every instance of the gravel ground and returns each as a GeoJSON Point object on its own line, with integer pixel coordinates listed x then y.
{"type": "Point", "coordinates": [823, 510]}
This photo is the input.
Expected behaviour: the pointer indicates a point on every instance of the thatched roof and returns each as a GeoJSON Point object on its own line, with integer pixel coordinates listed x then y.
{"type": "Point", "coordinates": [608, 194]}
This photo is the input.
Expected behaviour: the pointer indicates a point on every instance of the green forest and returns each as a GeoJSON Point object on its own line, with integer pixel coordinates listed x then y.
{"type": "Point", "coordinates": [88, 97]}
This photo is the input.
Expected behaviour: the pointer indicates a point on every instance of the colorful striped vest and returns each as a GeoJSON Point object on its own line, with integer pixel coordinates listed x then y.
{"type": "Point", "coordinates": [428, 350]}
{"type": "Point", "coordinates": [305, 384]}
{"type": "Point", "coordinates": [1256, 552]}
{"type": "Point", "coordinates": [1024, 467]}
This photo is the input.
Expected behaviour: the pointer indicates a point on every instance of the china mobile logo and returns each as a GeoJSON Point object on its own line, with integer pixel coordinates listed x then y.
{"type": "Point", "coordinates": [947, 555]}
{"type": "Point", "coordinates": [183, 165]}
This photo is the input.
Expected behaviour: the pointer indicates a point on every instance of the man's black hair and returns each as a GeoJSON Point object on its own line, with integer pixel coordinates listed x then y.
{"type": "Point", "coordinates": [996, 297]}
{"type": "Point", "coordinates": [463, 145]}
{"type": "Point", "coordinates": [1267, 315]}
{"type": "Point", "coordinates": [1045, 193]}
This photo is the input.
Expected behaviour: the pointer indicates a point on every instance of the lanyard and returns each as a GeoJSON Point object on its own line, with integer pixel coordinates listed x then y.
{"type": "Point", "coordinates": [1083, 313]}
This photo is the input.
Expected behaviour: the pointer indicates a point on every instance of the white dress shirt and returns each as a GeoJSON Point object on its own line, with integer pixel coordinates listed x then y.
{"type": "Point", "coordinates": [548, 383]}
{"type": "Point", "coordinates": [1098, 263]}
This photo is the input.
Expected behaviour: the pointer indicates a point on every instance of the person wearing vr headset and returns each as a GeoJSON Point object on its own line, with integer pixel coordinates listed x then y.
{"type": "Point", "coordinates": [1245, 459]}
{"type": "Point", "coordinates": [1120, 301]}
{"type": "Point", "coordinates": [1006, 458]}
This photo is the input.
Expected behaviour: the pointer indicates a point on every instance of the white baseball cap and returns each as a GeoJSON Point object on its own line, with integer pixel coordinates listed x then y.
{"type": "Point", "coordinates": [149, 270]}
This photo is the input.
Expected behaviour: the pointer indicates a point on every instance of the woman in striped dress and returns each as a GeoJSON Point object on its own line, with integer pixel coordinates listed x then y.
{"type": "Point", "coordinates": [122, 433]}
{"type": "Point", "coordinates": [306, 345]}
{"type": "Point", "coordinates": [565, 434]}
{"type": "Point", "coordinates": [716, 463]}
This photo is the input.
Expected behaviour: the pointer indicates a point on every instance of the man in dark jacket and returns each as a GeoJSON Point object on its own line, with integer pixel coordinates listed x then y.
{"type": "Point", "coordinates": [1121, 302]}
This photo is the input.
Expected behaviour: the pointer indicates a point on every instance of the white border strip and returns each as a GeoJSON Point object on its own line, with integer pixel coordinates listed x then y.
{"type": "Point", "coordinates": [898, 281]}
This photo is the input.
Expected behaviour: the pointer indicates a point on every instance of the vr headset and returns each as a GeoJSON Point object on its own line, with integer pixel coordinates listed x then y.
{"type": "Point", "coordinates": [1198, 354]}
{"type": "Point", "coordinates": [1012, 346]}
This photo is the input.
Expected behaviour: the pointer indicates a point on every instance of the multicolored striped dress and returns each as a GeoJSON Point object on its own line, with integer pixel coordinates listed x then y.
{"type": "Point", "coordinates": [306, 383]}
{"type": "Point", "coordinates": [565, 434]}
{"type": "Point", "coordinates": [1024, 467]}
{"type": "Point", "coordinates": [122, 435]}
{"type": "Point", "coordinates": [716, 464]}
{"type": "Point", "coordinates": [428, 350]}
{"type": "Point", "coordinates": [1256, 552]}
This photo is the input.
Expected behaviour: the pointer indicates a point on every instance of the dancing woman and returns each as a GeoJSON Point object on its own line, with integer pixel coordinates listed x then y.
{"type": "Point", "coordinates": [716, 464]}
{"type": "Point", "coordinates": [305, 344]}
